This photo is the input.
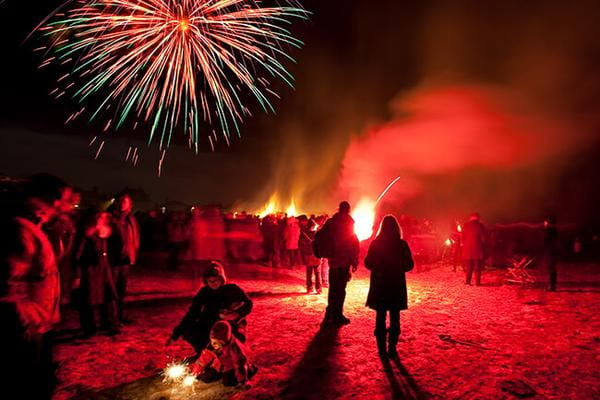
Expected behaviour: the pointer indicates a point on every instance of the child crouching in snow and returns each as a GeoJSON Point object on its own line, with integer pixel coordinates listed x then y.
{"type": "Point", "coordinates": [224, 358]}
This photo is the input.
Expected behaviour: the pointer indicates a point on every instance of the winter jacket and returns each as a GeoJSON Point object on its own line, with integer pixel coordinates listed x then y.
{"type": "Point", "coordinates": [291, 234]}
{"type": "Point", "coordinates": [126, 226]}
{"type": "Point", "coordinates": [30, 278]}
{"type": "Point", "coordinates": [209, 303]}
{"type": "Point", "coordinates": [473, 240]}
{"type": "Point", "coordinates": [232, 356]}
{"type": "Point", "coordinates": [94, 257]}
{"type": "Point", "coordinates": [345, 242]}
{"type": "Point", "coordinates": [305, 244]}
{"type": "Point", "coordinates": [388, 259]}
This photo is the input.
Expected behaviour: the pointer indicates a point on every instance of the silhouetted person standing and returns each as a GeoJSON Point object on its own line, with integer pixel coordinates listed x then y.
{"type": "Point", "coordinates": [126, 227]}
{"type": "Point", "coordinates": [95, 254]}
{"type": "Point", "coordinates": [473, 240]}
{"type": "Point", "coordinates": [551, 250]}
{"type": "Point", "coordinates": [345, 249]}
{"type": "Point", "coordinates": [29, 290]}
{"type": "Point", "coordinates": [388, 258]}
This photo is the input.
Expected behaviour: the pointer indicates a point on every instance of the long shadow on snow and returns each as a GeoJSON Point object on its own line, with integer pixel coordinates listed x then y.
{"type": "Point", "coordinates": [313, 376]}
{"type": "Point", "coordinates": [403, 384]}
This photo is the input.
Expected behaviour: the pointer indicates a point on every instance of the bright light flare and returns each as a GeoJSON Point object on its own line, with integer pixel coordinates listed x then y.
{"type": "Point", "coordinates": [364, 218]}
{"type": "Point", "coordinates": [189, 380]}
{"type": "Point", "coordinates": [291, 210]}
{"type": "Point", "coordinates": [270, 207]}
{"type": "Point", "coordinates": [448, 242]}
{"type": "Point", "coordinates": [459, 228]}
{"type": "Point", "coordinates": [175, 372]}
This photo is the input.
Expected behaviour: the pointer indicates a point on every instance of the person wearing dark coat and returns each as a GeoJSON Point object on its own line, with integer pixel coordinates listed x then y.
{"type": "Point", "coordinates": [310, 262]}
{"type": "Point", "coordinates": [126, 226]}
{"type": "Point", "coordinates": [551, 250]}
{"type": "Point", "coordinates": [388, 259]}
{"type": "Point", "coordinates": [271, 244]}
{"type": "Point", "coordinates": [98, 251]}
{"type": "Point", "coordinates": [29, 288]}
{"type": "Point", "coordinates": [215, 301]}
{"type": "Point", "coordinates": [473, 242]}
{"type": "Point", "coordinates": [344, 257]}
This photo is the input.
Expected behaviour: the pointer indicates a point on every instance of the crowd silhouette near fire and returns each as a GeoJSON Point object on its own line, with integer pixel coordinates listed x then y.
{"type": "Point", "coordinates": [56, 255]}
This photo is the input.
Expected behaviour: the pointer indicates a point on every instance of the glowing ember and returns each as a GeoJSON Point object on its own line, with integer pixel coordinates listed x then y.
{"type": "Point", "coordinates": [448, 242]}
{"type": "Point", "coordinates": [189, 380]}
{"type": "Point", "coordinates": [364, 218]}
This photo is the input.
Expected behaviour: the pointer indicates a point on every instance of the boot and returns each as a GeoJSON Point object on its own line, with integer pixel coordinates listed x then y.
{"type": "Point", "coordinates": [392, 342]}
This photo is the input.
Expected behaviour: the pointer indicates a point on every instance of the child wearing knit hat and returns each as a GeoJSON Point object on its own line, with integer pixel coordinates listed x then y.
{"type": "Point", "coordinates": [225, 357]}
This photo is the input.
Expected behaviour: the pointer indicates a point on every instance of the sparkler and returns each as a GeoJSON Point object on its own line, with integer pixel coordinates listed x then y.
{"type": "Point", "coordinates": [174, 64]}
{"type": "Point", "coordinates": [175, 372]}
{"type": "Point", "coordinates": [179, 374]}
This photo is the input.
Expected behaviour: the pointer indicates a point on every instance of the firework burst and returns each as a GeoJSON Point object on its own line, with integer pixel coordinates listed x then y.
{"type": "Point", "coordinates": [174, 64]}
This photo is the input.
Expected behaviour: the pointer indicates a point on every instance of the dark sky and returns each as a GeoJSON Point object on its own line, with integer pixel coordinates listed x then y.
{"type": "Point", "coordinates": [380, 87]}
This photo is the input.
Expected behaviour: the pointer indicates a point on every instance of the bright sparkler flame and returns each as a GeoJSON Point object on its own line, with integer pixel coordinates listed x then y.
{"type": "Point", "coordinates": [459, 228]}
{"type": "Point", "coordinates": [448, 242]}
{"type": "Point", "coordinates": [176, 371]}
{"type": "Point", "coordinates": [189, 380]}
{"type": "Point", "coordinates": [364, 218]}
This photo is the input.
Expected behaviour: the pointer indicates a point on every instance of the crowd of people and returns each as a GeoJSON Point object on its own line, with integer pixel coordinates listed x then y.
{"type": "Point", "coordinates": [48, 250]}
{"type": "Point", "coordinates": [52, 248]}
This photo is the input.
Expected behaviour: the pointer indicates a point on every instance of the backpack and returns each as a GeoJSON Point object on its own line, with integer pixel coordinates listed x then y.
{"type": "Point", "coordinates": [323, 244]}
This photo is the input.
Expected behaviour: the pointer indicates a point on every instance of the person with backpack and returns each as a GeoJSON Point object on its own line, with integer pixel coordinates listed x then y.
{"type": "Point", "coordinates": [337, 242]}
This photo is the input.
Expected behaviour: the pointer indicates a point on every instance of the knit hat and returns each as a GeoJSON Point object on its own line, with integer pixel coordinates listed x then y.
{"type": "Point", "coordinates": [221, 331]}
{"type": "Point", "coordinates": [214, 270]}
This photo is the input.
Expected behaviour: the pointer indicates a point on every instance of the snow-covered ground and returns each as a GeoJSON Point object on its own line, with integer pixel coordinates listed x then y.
{"type": "Point", "coordinates": [458, 341]}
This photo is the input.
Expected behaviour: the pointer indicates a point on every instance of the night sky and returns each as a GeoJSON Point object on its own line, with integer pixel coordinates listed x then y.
{"type": "Point", "coordinates": [490, 106]}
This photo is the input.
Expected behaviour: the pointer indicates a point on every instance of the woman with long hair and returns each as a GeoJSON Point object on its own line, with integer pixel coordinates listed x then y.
{"type": "Point", "coordinates": [388, 258]}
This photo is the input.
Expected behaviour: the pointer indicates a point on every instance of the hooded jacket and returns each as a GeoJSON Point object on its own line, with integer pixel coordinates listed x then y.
{"type": "Point", "coordinates": [232, 356]}
{"type": "Point", "coordinates": [209, 303]}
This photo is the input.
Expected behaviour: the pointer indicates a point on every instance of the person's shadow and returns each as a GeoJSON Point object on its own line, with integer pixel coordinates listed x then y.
{"type": "Point", "coordinates": [402, 383]}
{"type": "Point", "coordinates": [312, 378]}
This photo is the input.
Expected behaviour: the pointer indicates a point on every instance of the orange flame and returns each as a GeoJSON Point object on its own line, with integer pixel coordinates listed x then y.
{"type": "Point", "coordinates": [291, 210]}
{"type": "Point", "coordinates": [364, 218]}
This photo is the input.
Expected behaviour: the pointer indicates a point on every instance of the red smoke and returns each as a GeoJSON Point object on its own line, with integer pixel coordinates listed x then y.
{"type": "Point", "coordinates": [443, 134]}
